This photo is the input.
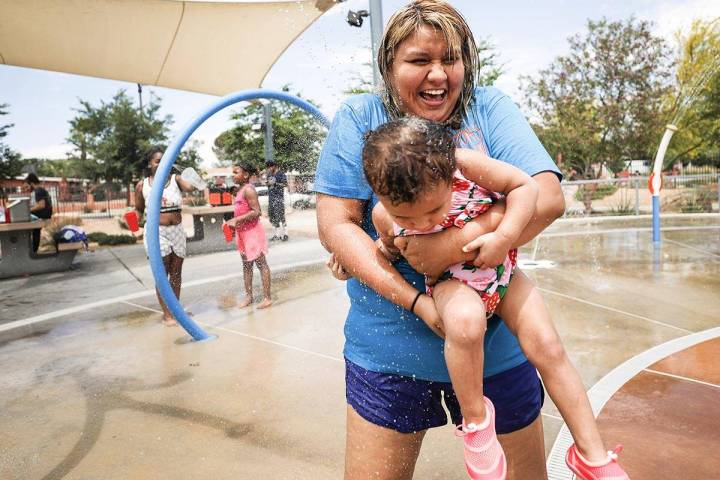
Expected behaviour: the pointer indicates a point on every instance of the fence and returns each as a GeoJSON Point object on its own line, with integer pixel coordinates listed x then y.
{"type": "Point", "coordinates": [630, 195]}
{"type": "Point", "coordinates": [613, 196]}
{"type": "Point", "coordinates": [102, 201]}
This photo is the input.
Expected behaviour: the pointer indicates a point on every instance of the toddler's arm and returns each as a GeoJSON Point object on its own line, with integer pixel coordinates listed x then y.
{"type": "Point", "coordinates": [521, 194]}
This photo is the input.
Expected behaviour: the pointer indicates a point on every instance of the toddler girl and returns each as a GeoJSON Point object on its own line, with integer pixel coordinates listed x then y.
{"type": "Point", "coordinates": [424, 185]}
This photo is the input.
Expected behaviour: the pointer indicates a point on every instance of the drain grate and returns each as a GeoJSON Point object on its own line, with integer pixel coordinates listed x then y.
{"type": "Point", "coordinates": [556, 468]}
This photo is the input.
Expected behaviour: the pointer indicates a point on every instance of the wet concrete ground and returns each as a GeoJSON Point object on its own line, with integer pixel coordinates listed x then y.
{"type": "Point", "coordinates": [105, 392]}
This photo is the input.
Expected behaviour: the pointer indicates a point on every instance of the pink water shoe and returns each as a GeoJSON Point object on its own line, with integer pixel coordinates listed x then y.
{"type": "Point", "coordinates": [608, 469]}
{"type": "Point", "coordinates": [484, 457]}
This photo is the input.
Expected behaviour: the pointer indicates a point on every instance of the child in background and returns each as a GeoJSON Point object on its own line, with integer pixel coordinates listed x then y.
{"type": "Point", "coordinates": [425, 185]}
{"type": "Point", "coordinates": [250, 235]}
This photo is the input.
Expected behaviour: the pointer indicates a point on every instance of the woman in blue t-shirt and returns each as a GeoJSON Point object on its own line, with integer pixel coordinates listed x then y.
{"type": "Point", "coordinates": [395, 370]}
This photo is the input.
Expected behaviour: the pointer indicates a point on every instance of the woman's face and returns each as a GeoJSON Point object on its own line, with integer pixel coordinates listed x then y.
{"type": "Point", "coordinates": [154, 162]}
{"type": "Point", "coordinates": [427, 82]}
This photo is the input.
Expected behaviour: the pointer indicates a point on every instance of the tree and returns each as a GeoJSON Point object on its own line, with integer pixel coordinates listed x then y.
{"type": "Point", "coordinates": [45, 167]}
{"type": "Point", "coordinates": [10, 161]}
{"type": "Point", "coordinates": [189, 156]}
{"type": "Point", "coordinates": [110, 140]}
{"type": "Point", "coordinates": [602, 103]}
{"type": "Point", "coordinates": [297, 137]}
{"type": "Point", "coordinates": [695, 101]}
{"type": "Point", "coordinates": [488, 69]}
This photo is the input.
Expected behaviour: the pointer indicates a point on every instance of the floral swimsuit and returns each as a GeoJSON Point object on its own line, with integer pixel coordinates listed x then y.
{"type": "Point", "coordinates": [468, 201]}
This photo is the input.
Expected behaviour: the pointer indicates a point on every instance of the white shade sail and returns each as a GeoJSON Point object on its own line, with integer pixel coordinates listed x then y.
{"type": "Point", "coordinates": [213, 47]}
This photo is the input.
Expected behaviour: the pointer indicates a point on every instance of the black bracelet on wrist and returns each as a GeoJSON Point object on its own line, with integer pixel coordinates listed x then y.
{"type": "Point", "coordinates": [412, 307]}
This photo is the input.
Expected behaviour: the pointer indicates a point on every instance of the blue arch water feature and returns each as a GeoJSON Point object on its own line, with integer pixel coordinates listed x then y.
{"type": "Point", "coordinates": [166, 163]}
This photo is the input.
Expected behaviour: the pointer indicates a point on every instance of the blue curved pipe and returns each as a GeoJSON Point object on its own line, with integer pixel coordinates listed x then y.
{"type": "Point", "coordinates": [163, 171]}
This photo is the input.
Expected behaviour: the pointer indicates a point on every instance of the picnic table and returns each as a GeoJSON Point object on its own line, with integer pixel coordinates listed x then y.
{"type": "Point", "coordinates": [17, 257]}
{"type": "Point", "coordinates": [207, 229]}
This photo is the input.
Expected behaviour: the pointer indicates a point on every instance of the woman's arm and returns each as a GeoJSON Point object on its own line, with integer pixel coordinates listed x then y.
{"type": "Point", "coordinates": [447, 245]}
{"type": "Point", "coordinates": [339, 221]}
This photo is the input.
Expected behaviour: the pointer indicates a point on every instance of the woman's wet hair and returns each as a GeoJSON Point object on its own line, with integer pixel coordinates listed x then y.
{"type": "Point", "coordinates": [405, 157]}
{"type": "Point", "coordinates": [441, 16]}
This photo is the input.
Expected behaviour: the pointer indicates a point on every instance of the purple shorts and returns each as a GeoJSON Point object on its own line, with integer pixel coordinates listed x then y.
{"type": "Point", "coordinates": [407, 405]}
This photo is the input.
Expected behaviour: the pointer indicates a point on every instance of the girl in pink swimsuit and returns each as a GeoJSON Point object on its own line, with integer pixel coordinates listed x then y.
{"type": "Point", "coordinates": [250, 234]}
{"type": "Point", "coordinates": [424, 185]}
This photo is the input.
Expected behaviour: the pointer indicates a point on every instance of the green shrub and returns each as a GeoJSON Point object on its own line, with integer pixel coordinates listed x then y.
{"type": "Point", "coordinates": [623, 207]}
{"type": "Point", "coordinates": [599, 190]}
{"type": "Point", "coordinates": [102, 238]}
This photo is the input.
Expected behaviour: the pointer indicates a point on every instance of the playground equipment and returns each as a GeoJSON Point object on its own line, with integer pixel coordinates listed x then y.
{"type": "Point", "coordinates": [655, 181]}
{"type": "Point", "coordinates": [166, 164]}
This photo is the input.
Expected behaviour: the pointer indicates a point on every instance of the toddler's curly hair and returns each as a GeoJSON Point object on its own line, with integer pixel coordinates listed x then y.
{"type": "Point", "coordinates": [405, 157]}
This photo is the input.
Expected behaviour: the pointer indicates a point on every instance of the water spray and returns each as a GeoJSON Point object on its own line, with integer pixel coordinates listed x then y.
{"type": "Point", "coordinates": [152, 226]}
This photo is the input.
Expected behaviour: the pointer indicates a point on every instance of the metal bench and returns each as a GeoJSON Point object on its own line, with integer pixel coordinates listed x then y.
{"type": "Point", "coordinates": [207, 229]}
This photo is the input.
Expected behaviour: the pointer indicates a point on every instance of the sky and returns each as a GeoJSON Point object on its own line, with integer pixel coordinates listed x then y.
{"type": "Point", "coordinates": [328, 58]}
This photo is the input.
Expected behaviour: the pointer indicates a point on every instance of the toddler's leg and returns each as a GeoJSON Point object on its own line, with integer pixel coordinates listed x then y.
{"type": "Point", "coordinates": [525, 313]}
{"type": "Point", "coordinates": [463, 315]}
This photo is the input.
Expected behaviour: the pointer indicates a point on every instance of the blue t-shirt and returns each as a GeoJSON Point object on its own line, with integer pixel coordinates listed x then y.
{"type": "Point", "coordinates": [379, 335]}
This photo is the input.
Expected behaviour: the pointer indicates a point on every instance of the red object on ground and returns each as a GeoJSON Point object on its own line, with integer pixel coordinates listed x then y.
{"type": "Point", "coordinates": [132, 220]}
{"type": "Point", "coordinates": [228, 231]}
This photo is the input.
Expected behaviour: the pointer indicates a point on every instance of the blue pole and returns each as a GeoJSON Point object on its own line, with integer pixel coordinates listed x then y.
{"type": "Point", "coordinates": [656, 219]}
{"type": "Point", "coordinates": [153, 211]}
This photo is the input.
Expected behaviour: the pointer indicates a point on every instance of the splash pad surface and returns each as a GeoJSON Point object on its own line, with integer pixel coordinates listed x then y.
{"type": "Point", "coordinates": [106, 391]}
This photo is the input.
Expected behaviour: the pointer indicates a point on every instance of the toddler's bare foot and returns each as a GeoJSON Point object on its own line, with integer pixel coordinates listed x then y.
{"type": "Point", "coordinates": [245, 302]}
{"type": "Point", "coordinates": [265, 303]}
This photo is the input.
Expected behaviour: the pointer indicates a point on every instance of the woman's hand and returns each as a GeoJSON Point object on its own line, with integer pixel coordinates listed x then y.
{"type": "Point", "coordinates": [426, 310]}
{"type": "Point", "coordinates": [337, 270]}
{"type": "Point", "coordinates": [232, 222]}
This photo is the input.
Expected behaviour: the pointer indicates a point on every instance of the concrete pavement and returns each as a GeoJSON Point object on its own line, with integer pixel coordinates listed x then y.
{"type": "Point", "coordinates": [105, 391]}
